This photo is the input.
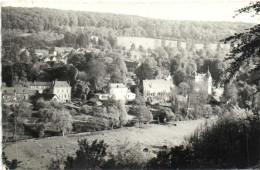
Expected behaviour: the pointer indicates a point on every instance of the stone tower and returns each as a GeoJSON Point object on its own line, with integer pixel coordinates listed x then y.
{"type": "Point", "coordinates": [203, 82]}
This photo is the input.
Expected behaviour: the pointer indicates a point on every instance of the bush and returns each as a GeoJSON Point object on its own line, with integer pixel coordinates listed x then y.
{"type": "Point", "coordinates": [179, 157]}
{"type": "Point", "coordinates": [93, 124]}
{"type": "Point", "coordinates": [164, 115]}
{"type": "Point", "coordinates": [129, 156]}
{"type": "Point", "coordinates": [228, 143]}
{"type": "Point", "coordinates": [231, 142]}
{"type": "Point", "coordinates": [88, 156]}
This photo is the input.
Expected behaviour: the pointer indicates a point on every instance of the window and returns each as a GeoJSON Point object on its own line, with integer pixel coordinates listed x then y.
{"type": "Point", "coordinates": [67, 90]}
{"type": "Point", "coordinates": [65, 95]}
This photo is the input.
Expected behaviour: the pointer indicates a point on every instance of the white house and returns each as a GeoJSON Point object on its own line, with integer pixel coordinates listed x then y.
{"type": "Point", "coordinates": [39, 85]}
{"type": "Point", "coordinates": [120, 92]}
{"type": "Point", "coordinates": [62, 90]}
{"type": "Point", "coordinates": [203, 82]}
{"type": "Point", "coordinates": [158, 89]}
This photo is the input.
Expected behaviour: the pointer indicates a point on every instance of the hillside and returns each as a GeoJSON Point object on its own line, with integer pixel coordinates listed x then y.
{"type": "Point", "coordinates": [26, 21]}
{"type": "Point", "coordinates": [35, 155]}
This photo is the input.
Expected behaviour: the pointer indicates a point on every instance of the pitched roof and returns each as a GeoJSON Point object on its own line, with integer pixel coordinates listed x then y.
{"type": "Point", "coordinates": [40, 83]}
{"type": "Point", "coordinates": [12, 90]}
{"type": "Point", "coordinates": [61, 84]}
{"type": "Point", "coordinates": [117, 85]}
{"type": "Point", "coordinates": [63, 49]}
{"type": "Point", "coordinates": [44, 52]}
{"type": "Point", "coordinates": [158, 84]}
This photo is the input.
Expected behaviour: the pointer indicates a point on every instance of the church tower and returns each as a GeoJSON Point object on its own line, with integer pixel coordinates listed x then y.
{"type": "Point", "coordinates": [209, 82]}
{"type": "Point", "coordinates": [203, 82]}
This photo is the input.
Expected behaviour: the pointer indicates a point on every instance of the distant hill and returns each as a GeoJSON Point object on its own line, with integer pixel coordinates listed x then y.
{"type": "Point", "coordinates": [34, 20]}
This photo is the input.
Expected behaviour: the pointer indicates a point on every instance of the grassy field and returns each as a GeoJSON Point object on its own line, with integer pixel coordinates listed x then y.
{"type": "Point", "coordinates": [153, 43]}
{"type": "Point", "coordinates": [37, 153]}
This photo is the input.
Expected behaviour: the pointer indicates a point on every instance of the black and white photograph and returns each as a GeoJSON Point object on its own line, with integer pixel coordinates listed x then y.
{"type": "Point", "coordinates": [121, 84]}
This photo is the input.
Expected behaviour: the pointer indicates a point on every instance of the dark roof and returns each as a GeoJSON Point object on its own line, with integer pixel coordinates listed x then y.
{"type": "Point", "coordinates": [46, 96]}
{"type": "Point", "coordinates": [40, 83]}
{"type": "Point", "coordinates": [31, 92]}
{"type": "Point", "coordinates": [131, 63]}
{"type": "Point", "coordinates": [61, 84]}
{"type": "Point", "coordinates": [12, 90]}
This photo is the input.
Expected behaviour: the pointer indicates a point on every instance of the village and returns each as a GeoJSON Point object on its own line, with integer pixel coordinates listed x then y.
{"type": "Point", "coordinates": [85, 90]}
{"type": "Point", "coordinates": [159, 93]}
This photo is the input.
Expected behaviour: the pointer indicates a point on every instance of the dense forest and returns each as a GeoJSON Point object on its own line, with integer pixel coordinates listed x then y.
{"type": "Point", "coordinates": [52, 24]}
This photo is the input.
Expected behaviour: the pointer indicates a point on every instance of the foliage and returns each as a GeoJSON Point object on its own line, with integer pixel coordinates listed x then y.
{"type": "Point", "coordinates": [122, 113]}
{"type": "Point", "coordinates": [230, 93]}
{"type": "Point", "coordinates": [35, 21]}
{"type": "Point", "coordinates": [129, 156]}
{"type": "Point", "coordinates": [118, 70]}
{"type": "Point", "coordinates": [97, 72]}
{"type": "Point", "coordinates": [245, 47]}
{"type": "Point", "coordinates": [143, 114]}
{"type": "Point", "coordinates": [10, 164]}
{"type": "Point", "coordinates": [88, 155]}
{"type": "Point", "coordinates": [164, 115]}
{"type": "Point", "coordinates": [201, 111]}
{"type": "Point", "coordinates": [178, 158]}
{"type": "Point", "coordinates": [54, 116]}
{"type": "Point", "coordinates": [147, 70]}
{"type": "Point", "coordinates": [216, 68]}
{"type": "Point", "coordinates": [227, 143]}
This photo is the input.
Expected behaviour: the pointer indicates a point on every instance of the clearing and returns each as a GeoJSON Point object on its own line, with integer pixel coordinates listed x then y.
{"type": "Point", "coordinates": [37, 153]}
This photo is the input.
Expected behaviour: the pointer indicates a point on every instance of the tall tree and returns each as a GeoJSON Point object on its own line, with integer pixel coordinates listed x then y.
{"type": "Point", "coordinates": [147, 70]}
{"type": "Point", "coordinates": [245, 46]}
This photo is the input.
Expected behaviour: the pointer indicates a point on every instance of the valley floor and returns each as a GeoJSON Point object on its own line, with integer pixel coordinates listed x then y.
{"type": "Point", "coordinates": [37, 153]}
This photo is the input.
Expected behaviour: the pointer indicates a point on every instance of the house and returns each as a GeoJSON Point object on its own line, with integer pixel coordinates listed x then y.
{"type": "Point", "coordinates": [60, 50]}
{"type": "Point", "coordinates": [159, 90]}
{"type": "Point", "coordinates": [203, 82]}
{"type": "Point", "coordinates": [101, 96]}
{"type": "Point", "coordinates": [62, 90]}
{"type": "Point", "coordinates": [14, 94]}
{"type": "Point", "coordinates": [41, 53]}
{"type": "Point", "coordinates": [39, 86]}
{"type": "Point", "coordinates": [119, 91]}
{"type": "Point", "coordinates": [64, 58]}
{"type": "Point", "coordinates": [135, 55]}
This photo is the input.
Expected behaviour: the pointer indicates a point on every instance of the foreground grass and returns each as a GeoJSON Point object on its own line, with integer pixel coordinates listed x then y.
{"type": "Point", "coordinates": [37, 153]}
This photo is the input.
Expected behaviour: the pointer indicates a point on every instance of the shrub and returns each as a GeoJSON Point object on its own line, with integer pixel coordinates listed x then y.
{"type": "Point", "coordinates": [129, 156]}
{"type": "Point", "coordinates": [179, 157]}
{"type": "Point", "coordinates": [88, 155]}
{"type": "Point", "coordinates": [229, 143]}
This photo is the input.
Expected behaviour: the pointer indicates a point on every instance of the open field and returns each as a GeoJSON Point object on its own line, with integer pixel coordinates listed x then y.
{"type": "Point", "coordinates": [153, 43]}
{"type": "Point", "coordinates": [36, 154]}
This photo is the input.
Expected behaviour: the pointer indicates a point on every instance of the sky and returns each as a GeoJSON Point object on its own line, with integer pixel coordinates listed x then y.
{"type": "Point", "coordinates": [198, 10]}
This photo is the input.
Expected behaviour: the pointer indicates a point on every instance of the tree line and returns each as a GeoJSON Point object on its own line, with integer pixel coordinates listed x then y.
{"type": "Point", "coordinates": [34, 20]}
